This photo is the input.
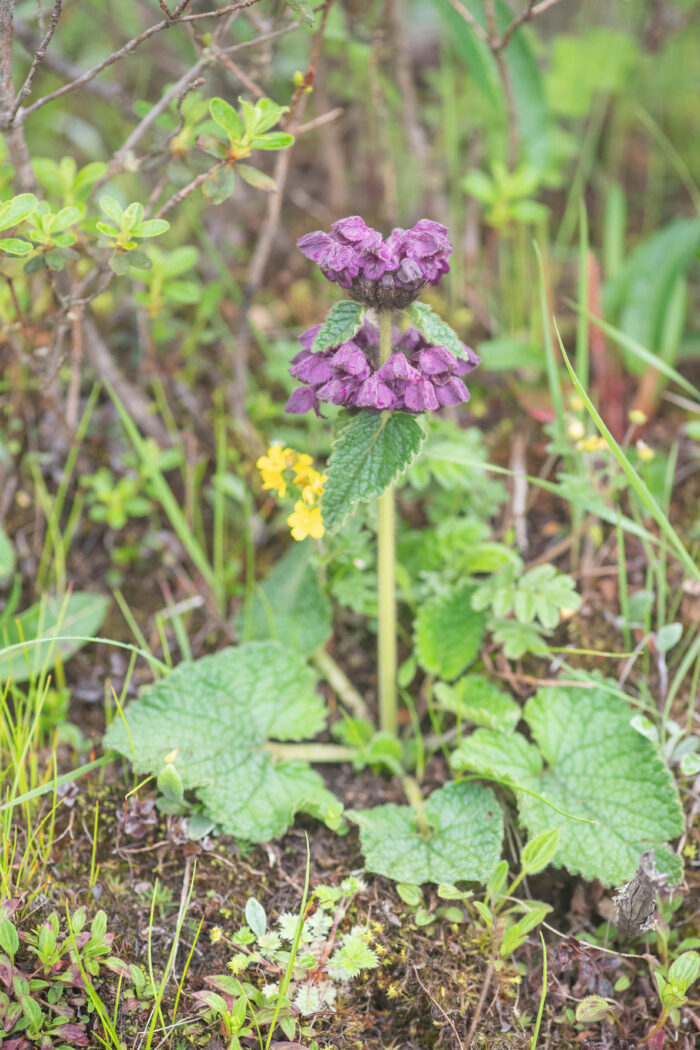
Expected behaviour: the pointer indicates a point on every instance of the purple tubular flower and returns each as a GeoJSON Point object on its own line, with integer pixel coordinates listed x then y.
{"type": "Point", "coordinates": [301, 400]}
{"type": "Point", "coordinates": [417, 377]}
{"type": "Point", "coordinates": [382, 273]}
{"type": "Point", "coordinates": [375, 394]}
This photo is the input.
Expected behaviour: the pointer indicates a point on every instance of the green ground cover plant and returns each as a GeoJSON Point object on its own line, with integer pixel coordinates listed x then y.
{"type": "Point", "coordinates": [349, 672]}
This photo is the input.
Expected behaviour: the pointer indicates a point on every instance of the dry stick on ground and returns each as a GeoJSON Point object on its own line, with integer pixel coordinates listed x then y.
{"type": "Point", "coordinates": [444, 1013]}
{"type": "Point", "coordinates": [482, 999]}
{"type": "Point", "coordinates": [261, 254]}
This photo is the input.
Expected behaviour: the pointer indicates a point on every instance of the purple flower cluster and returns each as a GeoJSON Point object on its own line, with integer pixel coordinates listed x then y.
{"type": "Point", "coordinates": [377, 272]}
{"type": "Point", "coordinates": [417, 377]}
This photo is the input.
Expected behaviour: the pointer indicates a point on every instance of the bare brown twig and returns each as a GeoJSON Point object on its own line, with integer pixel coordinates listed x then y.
{"type": "Point", "coordinates": [177, 18]}
{"type": "Point", "coordinates": [39, 56]}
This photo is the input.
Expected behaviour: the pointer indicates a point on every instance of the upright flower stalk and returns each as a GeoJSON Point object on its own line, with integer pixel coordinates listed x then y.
{"type": "Point", "coordinates": [386, 577]}
{"type": "Point", "coordinates": [382, 374]}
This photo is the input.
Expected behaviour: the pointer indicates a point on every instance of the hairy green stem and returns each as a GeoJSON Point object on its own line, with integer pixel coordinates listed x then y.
{"type": "Point", "coordinates": [413, 794]}
{"type": "Point", "coordinates": [303, 752]}
{"type": "Point", "coordinates": [338, 681]}
{"type": "Point", "coordinates": [386, 577]}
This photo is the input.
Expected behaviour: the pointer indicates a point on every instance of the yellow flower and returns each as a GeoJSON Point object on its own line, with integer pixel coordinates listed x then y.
{"type": "Point", "coordinates": [271, 467]}
{"type": "Point", "coordinates": [643, 451]}
{"type": "Point", "coordinates": [306, 522]}
{"type": "Point", "coordinates": [313, 490]}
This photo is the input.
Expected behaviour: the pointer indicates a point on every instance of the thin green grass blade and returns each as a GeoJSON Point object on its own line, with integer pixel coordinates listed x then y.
{"type": "Point", "coordinates": [641, 491]}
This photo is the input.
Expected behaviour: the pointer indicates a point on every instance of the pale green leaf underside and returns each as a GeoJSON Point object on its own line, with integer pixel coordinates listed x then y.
{"type": "Point", "coordinates": [598, 767]}
{"type": "Point", "coordinates": [340, 325]}
{"type": "Point", "coordinates": [435, 329]}
{"type": "Point", "coordinates": [467, 825]}
{"type": "Point", "coordinates": [448, 633]}
{"type": "Point", "coordinates": [218, 712]}
{"type": "Point", "coordinates": [81, 614]}
{"type": "Point", "coordinates": [369, 453]}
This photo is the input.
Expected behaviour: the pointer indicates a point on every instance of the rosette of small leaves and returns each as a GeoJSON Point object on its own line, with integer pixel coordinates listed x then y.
{"type": "Point", "coordinates": [535, 599]}
{"type": "Point", "coordinates": [234, 135]}
{"type": "Point", "coordinates": [506, 196]}
{"type": "Point", "coordinates": [51, 235]}
{"type": "Point", "coordinates": [324, 957]}
{"type": "Point", "coordinates": [125, 232]}
{"type": "Point", "coordinates": [44, 1004]}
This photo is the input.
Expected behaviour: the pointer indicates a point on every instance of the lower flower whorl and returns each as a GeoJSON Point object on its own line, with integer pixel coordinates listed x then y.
{"type": "Point", "coordinates": [417, 377]}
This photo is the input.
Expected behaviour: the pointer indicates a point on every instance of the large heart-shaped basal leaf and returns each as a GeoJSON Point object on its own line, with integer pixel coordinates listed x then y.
{"type": "Point", "coordinates": [76, 617]}
{"type": "Point", "coordinates": [448, 632]}
{"type": "Point", "coordinates": [215, 716]}
{"type": "Point", "coordinates": [588, 762]}
{"type": "Point", "coordinates": [289, 606]}
{"type": "Point", "coordinates": [465, 839]}
{"type": "Point", "coordinates": [369, 453]}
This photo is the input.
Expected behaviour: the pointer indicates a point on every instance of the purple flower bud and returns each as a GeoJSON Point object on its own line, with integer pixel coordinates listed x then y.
{"type": "Point", "coordinates": [302, 400]}
{"type": "Point", "coordinates": [397, 367]}
{"type": "Point", "coordinates": [420, 396]}
{"type": "Point", "coordinates": [338, 391]}
{"type": "Point", "coordinates": [375, 394]}
{"type": "Point", "coordinates": [411, 340]}
{"type": "Point", "coordinates": [314, 245]}
{"type": "Point", "coordinates": [434, 360]}
{"type": "Point", "coordinates": [350, 358]}
{"type": "Point", "coordinates": [468, 364]}
{"type": "Point", "coordinates": [451, 392]}
{"type": "Point", "coordinates": [354, 230]}
{"type": "Point", "coordinates": [314, 369]}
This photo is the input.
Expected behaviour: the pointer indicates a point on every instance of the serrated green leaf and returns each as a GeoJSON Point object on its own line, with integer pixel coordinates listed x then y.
{"type": "Point", "coordinates": [435, 329]}
{"type": "Point", "coordinates": [289, 606]}
{"type": "Point", "coordinates": [82, 614]}
{"type": "Point", "coordinates": [479, 700]}
{"type": "Point", "coordinates": [218, 712]}
{"type": "Point", "coordinates": [369, 453]}
{"type": "Point", "coordinates": [538, 852]}
{"type": "Point", "coordinates": [342, 322]}
{"type": "Point", "coordinates": [598, 767]}
{"type": "Point", "coordinates": [448, 633]}
{"type": "Point", "coordinates": [465, 843]}
{"type": "Point", "coordinates": [507, 757]}
{"type": "Point", "coordinates": [7, 558]}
